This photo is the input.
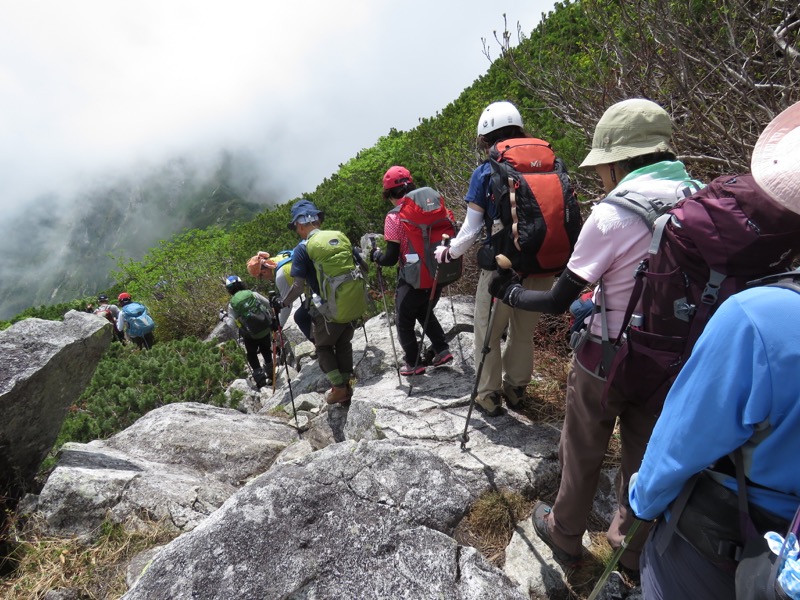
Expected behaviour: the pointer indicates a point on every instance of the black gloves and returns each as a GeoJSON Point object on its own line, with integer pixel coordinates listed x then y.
{"type": "Point", "coordinates": [277, 304]}
{"type": "Point", "coordinates": [501, 280]}
{"type": "Point", "coordinates": [375, 255]}
{"type": "Point", "coordinates": [505, 284]}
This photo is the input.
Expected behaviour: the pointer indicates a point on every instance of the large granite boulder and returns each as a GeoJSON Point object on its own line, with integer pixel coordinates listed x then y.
{"type": "Point", "coordinates": [356, 520]}
{"type": "Point", "coordinates": [177, 464]}
{"type": "Point", "coordinates": [46, 366]}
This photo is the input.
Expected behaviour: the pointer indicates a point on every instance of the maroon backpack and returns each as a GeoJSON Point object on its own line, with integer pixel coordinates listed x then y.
{"type": "Point", "coordinates": [711, 245]}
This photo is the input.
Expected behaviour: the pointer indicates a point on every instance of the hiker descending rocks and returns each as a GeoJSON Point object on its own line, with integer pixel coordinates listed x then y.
{"type": "Point", "coordinates": [250, 314]}
{"type": "Point", "coordinates": [278, 269]}
{"type": "Point", "coordinates": [509, 195]}
{"type": "Point", "coordinates": [735, 406]}
{"type": "Point", "coordinates": [412, 229]}
{"type": "Point", "coordinates": [631, 152]}
{"type": "Point", "coordinates": [110, 312]}
{"type": "Point", "coordinates": [326, 263]}
{"type": "Point", "coordinates": [135, 322]}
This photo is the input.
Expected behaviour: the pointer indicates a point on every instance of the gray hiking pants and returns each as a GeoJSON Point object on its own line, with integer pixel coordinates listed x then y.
{"type": "Point", "coordinates": [584, 441]}
{"type": "Point", "coordinates": [681, 573]}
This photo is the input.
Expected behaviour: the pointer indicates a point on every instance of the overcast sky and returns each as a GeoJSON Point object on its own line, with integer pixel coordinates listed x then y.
{"type": "Point", "coordinates": [97, 85]}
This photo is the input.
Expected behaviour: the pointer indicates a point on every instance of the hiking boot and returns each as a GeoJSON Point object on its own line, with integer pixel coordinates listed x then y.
{"type": "Point", "coordinates": [491, 405]}
{"type": "Point", "coordinates": [442, 358]}
{"type": "Point", "coordinates": [407, 370]}
{"type": "Point", "coordinates": [261, 379]}
{"type": "Point", "coordinates": [514, 394]}
{"type": "Point", "coordinates": [338, 394]}
{"type": "Point", "coordinates": [427, 360]}
{"type": "Point", "coordinates": [539, 517]}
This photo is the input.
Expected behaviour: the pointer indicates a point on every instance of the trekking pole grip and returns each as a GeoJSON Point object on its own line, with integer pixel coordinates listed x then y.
{"type": "Point", "coordinates": [502, 261]}
{"type": "Point", "coordinates": [446, 240]}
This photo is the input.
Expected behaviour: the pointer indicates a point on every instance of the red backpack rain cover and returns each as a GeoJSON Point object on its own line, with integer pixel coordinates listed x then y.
{"type": "Point", "coordinates": [425, 220]}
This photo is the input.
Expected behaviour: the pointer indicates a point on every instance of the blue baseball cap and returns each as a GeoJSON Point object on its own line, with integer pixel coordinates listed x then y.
{"type": "Point", "coordinates": [304, 211]}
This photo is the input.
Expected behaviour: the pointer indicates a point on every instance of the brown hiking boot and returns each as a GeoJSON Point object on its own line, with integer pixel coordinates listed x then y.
{"type": "Point", "coordinates": [338, 394]}
{"type": "Point", "coordinates": [540, 525]}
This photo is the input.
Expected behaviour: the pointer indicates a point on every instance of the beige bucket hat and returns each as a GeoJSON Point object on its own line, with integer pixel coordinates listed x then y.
{"type": "Point", "coordinates": [776, 159]}
{"type": "Point", "coordinates": [629, 128]}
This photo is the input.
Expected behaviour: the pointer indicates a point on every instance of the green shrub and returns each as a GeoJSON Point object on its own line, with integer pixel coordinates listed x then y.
{"type": "Point", "coordinates": [130, 382]}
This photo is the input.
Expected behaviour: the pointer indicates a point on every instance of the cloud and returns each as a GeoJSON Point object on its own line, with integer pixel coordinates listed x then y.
{"type": "Point", "coordinates": [94, 86]}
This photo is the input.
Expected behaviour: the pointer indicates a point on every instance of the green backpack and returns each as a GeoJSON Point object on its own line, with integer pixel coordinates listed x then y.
{"type": "Point", "coordinates": [341, 282]}
{"type": "Point", "coordinates": [252, 317]}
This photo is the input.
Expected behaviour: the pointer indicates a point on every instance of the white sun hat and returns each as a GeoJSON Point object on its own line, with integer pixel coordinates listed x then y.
{"type": "Point", "coordinates": [776, 159]}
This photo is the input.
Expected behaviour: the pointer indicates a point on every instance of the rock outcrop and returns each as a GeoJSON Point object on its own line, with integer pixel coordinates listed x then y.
{"type": "Point", "coordinates": [177, 464]}
{"type": "Point", "coordinates": [46, 366]}
{"type": "Point", "coordinates": [356, 520]}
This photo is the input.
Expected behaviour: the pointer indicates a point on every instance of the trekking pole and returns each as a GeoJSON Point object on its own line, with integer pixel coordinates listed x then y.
{"type": "Point", "coordinates": [615, 558]}
{"type": "Point", "coordinates": [455, 325]}
{"type": "Point", "coordinates": [285, 363]}
{"type": "Point", "coordinates": [274, 358]}
{"type": "Point", "coordinates": [386, 310]}
{"type": "Point", "coordinates": [244, 350]}
{"type": "Point", "coordinates": [446, 242]}
{"type": "Point", "coordinates": [503, 263]}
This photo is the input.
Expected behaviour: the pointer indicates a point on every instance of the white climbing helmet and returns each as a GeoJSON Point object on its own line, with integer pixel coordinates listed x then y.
{"type": "Point", "coordinates": [497, 115]}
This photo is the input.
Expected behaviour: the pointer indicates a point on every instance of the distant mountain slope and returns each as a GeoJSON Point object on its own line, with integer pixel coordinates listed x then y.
{"type": "Point", "coordinates": [61, 248]}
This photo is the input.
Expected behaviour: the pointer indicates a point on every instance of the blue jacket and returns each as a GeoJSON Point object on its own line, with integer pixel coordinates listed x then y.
{"type": "Point", "coordinates": [743, 376]}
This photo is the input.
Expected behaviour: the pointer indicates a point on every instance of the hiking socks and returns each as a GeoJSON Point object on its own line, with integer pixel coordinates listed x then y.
{"type": "Point", "coordinates": [336, 377]}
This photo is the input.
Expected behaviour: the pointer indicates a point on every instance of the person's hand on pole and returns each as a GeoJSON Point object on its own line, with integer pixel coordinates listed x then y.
{"type": "Point", "coordinates": [276, 303]}
{"type": "Point", "coordinates": [442, 252]}
{"type": "Point", "coordinates": [501, 281]}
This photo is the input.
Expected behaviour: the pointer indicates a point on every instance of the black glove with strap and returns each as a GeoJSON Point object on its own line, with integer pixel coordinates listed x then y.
{"type": "Point", "coordinates": [277, 305]}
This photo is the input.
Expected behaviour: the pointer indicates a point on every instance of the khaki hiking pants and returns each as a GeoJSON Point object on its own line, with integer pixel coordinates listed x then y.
{"type": "Point", "coordinates": [333, 342]}
{"type": "Point", "coordinates": [584, 441]}
{"type": "Point", "coordinates": [515, 365]}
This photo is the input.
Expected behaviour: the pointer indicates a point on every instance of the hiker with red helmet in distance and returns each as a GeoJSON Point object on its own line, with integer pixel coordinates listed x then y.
{"type": "Point", "coordinates": [735, 405]}
{"type": "Point", "coordinates": [631, 152]}
{"type": "Point", "coordinates": [135, 322]}
{"type": "Point", "coordinates": [415, 299]}
{"type": "Point", "coordinates": [110, 312]}
{"type": "Point", "coordinates": [508, 374]}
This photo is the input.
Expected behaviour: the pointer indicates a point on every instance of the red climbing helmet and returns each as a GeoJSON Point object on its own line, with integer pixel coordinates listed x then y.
{"type": "Point", "coordinates": [396, 176]}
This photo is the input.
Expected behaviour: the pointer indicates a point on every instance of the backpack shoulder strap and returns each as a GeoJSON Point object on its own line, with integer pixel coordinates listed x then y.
{"type": "Point", "coordinates": [648, 209]}
{"type": "Point", "coordinates": [287, 258]}
{"type": "Point", "coordinates": [789, 280]}
{"type": "Point", "coordinates": [789, 284]}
